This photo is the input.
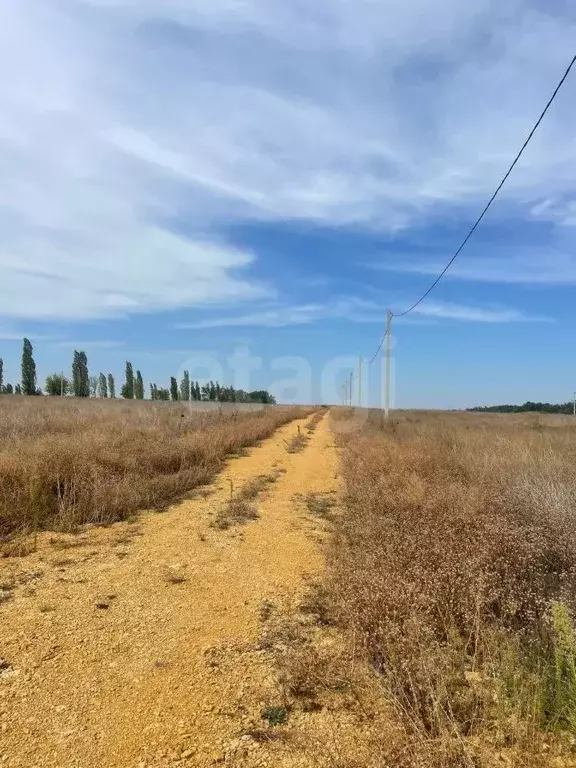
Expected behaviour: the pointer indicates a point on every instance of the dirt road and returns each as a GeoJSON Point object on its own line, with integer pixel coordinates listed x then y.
{"type": "Point", "coordinates": [137, 645]}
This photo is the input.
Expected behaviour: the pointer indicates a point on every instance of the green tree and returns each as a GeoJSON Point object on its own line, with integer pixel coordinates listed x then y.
{"type": "Point", "coordinates": [57, 384]}
{"type": "Point", "coordinates": [185, 386]}
{"type": "Point", "coordinates": [111, 386]}
{"type": "Point", "coordinates": [28, 369]}
{"type": "Point", "coordinates": [9, 389]}
{"type": "Point", "coordinates": [127, 390]}
{"type": "Point", "coordinates": [93, 382]}
{"type": "Point", "coordinates": [163, 394]}
{"type": "Point", "coordinates": [1, 376]}
{"type": "Point", "coordinates": [153, 392]}
{"type": "Point", "coordinates": [139, 386]}
{"type": "Point", "coordinates": [262, 396]}
{"type": "Point", "coordinates": [198, 392]}
{"type": "Point", "coordinates": [80, 377]}
{"type": "Point", "coordinates": [102, 386]}
{"type": "Point", "coordinates": [173, 388]}
{"type": "Point", "coordinates": [17, 389]}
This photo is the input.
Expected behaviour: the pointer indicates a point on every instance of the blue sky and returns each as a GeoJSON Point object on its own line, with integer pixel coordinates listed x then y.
{"type": "Point", "coordinates": [188, 180]}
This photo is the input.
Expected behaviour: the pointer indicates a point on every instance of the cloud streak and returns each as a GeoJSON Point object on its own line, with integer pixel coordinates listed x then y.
{"type": "Point", "coordinates": [546, 267]}
{"type": "Point", "coordinates": [475, 314]}
{"type": "Point", "coordinates": [359, 311]}
{"type": "Point", "coordinates": [351, 309]}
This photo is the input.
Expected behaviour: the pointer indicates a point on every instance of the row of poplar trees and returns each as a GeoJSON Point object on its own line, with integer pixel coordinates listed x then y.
{"type": "Point", "coordinates": [83, 385]}
{"type": "Point", "coordinates": [212, 391]}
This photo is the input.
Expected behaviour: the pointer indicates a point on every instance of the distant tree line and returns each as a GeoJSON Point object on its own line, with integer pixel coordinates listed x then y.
{"type": "Point", "coordinates": [527, 407]}
{"type": "Point", "coordinates": [82, 384]}
{"type": "Point", "coordinates": [189, 390]}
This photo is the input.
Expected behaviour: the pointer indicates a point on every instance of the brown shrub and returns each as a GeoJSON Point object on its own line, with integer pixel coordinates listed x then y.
{"type": "Point", "coordinates": [240, 508]}
{"type": "Point", "coordinates": [297, 443]}
{"type": "Point", "coordinates": [313, 422]}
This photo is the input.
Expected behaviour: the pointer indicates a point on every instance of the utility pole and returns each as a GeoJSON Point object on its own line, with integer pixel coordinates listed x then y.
{"type": "Point", "coordinates": [387, 393]}
{"type": "Point", "coordinates": [350, 391]}
{"type": "Point", "coordinates": [360, 382]}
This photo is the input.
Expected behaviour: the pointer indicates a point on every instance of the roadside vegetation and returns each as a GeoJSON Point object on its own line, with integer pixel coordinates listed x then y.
{"type": "Point", "coordinates": [65, 462]}
{"type": "Point", "coordinates": [241, 506]}
{"type": "Point", "coordinates": [452, 572]}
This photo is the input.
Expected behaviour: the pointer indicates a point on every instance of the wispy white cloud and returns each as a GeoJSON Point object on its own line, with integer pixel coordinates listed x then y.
{"type": "Point", "coordinates": [121, 120]}
{"type": "Point", "coordinates": [475, 314]}
{"type": "Point", "coordinates": [559, 211]}
{"type": "Point", "coordinates": [352, 309]}
{"type": "Point", "coordinates": [544, 267]}
{"type": "Point", "coordinates": [359, 311]}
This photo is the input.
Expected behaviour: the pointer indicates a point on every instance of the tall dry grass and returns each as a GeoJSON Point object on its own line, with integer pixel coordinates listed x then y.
{"type": "Point", "coordinates": [67, 462]}
{"type": "Point", "coordinates": [453, 566]}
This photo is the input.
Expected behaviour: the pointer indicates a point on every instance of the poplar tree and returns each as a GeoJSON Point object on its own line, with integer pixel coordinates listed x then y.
{"type": "Point", "coordinates": [28, 369]}
{"type": "Point", "coordinates": [80, 377]}
{"type": "Point", "coordinates": [139, 386]}
{"type": "Point", "coordinates": [111, 386]}
{"type": "Point", "coordinates": [185, 386]}
{"type": "Point", "coordinates": [173, 388]}
{"type": "Point", "coordinates": [127, 390]}
{"type": "Point", "coordinates": [93, 383]}
{"type": "Point", "coordinates": [102, 386]}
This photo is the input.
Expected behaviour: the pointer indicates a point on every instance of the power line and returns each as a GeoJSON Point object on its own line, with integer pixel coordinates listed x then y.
{"type": "Point", "coordinates": [489, 203]}
{"type": "Point", "coordinates": [379, 348]}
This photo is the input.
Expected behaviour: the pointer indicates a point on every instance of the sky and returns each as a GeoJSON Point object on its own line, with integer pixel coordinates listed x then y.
{"type": "Point", "coordinates": [242, 188]}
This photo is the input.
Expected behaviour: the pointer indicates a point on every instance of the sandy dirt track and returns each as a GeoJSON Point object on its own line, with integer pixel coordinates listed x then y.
{"type": "Point", "coordinates": [112, 662]}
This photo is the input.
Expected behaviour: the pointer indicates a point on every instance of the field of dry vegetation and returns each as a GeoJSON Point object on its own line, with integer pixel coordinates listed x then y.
{"type": "Point", "coordinates": [453, 569]}
{"type": "Point", "coordinates": [441, 633]}
{"type": "Point", "coordinates": [67, 462]}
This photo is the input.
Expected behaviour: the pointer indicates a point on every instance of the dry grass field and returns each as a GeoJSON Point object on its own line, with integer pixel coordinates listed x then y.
{"type": "Point", "coordinates": [453, 569]}
{"type": "Point", "coordinates": [64, 463]}
{"type": "Point", "coordinates": [351, 593]}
